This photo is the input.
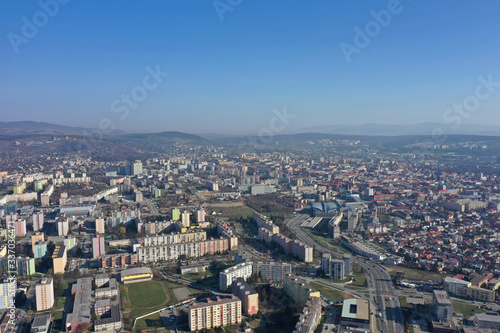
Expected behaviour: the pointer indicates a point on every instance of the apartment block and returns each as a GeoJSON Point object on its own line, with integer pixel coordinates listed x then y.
{"type": "Point", "coordinates": [456, 287]}
{"type": "Point", "coordinates": [99, 225]}
{"type": "Point", "coordinates": [481, 294]}
{"type": "Point", "coordinates": [44, 290]}
{"type": "Point", "coordinates": [59, 259]}
{"type": "Point", "coordinates": [249, 297]}
{"type": "Point", "coordinates": [210, 314]}
{"type": "Point", "coordinates": [243, 270]}
{"type": "Point", "coordinates": [441, 306]}
{"type": "Point", "coordinates": [186, 237]}
{"type": "Point", "coordinates": [98, 247]}
{"type": "Point", "coordinates": [333, 268]}
{"type": "Point", "coordinates": [298, 290]}
{"type": "Point", "coordinates": [118, 260]}
{"type": "Point", "coordinates": [271, 271]}
{"type": "Point", "coordinates": [310, 317]}
{"type": "Point", "coordinates": [190, 250]}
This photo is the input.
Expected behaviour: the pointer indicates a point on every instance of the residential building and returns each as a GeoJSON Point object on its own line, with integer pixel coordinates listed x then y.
{"type": "Point", "coordinates": [174, 238]}
{"type": "Point", "coordinates": [119, 260]}
{"type": "Point", "coordinates": [62, 227]}
{"type": "Point", "coordinates": [190, 250]}
{"type": "Point", "coordinates": [109, 322]}
{"type": "Point", "coordinates": [40, 250]}
{"type": "Point", "coordinates": [200, 215]}
{"type": "Point", "coordinates": [38, 236]}
{"type": "Point", "coordinates": [298, 290]}
{"type": "Point", "coordinates": [20, 227]}
{"type": "Point", "coordinates": [186, 219]}
{"type": "Point", "coordinates": [210, 314]}
{"type": "Point", "coordinates": [242, 270]}
{"type": "Point", "coordinates": [310, 317]}
{"type": "Point", "coordinates": [101, 280]}
{"type": "Point", "coordinates": [44, 291]}
{"type": "Point", "coordinates": [109, 290]}
{"type": "Point", "coordinates": [456, 287]}
{"type": "Point", "coordinates": [98, 247]}
{"type": "Point", "coordinates": [59, 259]}
{"type": "Point", "coordinates": [441, 306]}
{"type": "Point", "coordinates": [481, 294]}
{"type": "Point", "coordinates": [99, 225]}
{"type": "Point", "coordinates": [38, 221]}
{"type": "Point", "coordinates": [102, 306]}
{"type": "Point", "coordinates": [7, 294]}
{"type": "Point", "coordinates": [271, 271]}
{"type": "Point", "coordinates": [248, 296]}
{"type": "Point", "coordinates": [333, 268]}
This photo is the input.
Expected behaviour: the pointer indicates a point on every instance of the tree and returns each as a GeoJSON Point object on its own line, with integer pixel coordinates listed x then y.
{"type": "Point", "coordinates": [85, 326]}
{"type": "Point", "coordinates": [58, 287]}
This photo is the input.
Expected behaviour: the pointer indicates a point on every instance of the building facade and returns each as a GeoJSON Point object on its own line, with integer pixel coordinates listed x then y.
{"type": "Point", "coordinates": [44, 290]}
{"type": "Point", "coordinates": [243, 270]}
{"type": "Point", "coordinates": [210, 314]}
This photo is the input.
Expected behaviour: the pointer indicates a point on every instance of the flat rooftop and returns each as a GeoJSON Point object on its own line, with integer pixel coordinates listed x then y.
{"type": "Point", "coordinates": [356, 309]}
{"type": "Point", "coordinates": [442, 297]}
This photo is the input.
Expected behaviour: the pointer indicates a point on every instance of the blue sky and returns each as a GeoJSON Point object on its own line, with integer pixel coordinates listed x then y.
{"type": "Point", "coordinates": [229, 75]}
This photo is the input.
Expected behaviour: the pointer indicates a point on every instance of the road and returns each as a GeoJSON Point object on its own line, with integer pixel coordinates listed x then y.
{"type": "Point", "coordinates": [153, 210]}
{"type": "Point", "coordinates": [381, 284]}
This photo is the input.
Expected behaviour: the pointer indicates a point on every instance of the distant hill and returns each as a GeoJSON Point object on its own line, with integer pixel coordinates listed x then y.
{"type": "Point", "coordinates": [154, 139]}
{"type": "Point", "coordinates": [427, 128]}
{"type": "Point", "coordinates": [35, 127]}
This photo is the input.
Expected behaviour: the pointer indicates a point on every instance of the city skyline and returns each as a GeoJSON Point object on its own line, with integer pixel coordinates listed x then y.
{"type": "Point", "coordinates": [228, 68]}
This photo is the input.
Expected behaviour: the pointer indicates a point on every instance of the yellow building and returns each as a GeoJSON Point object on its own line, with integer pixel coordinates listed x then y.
{"type": "Point", "coordinates": [59, 259]}
{"type": "Point", "coordinates": [136, 274]}
{"type": "Point", "coordinates": [19, 189]}
{"type": "Point", "coordinates": [481, 294]}
{"type": "Point", "coordinates": [35, 238]}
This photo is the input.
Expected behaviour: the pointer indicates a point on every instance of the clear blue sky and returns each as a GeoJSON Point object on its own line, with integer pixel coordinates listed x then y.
{"type": "Point", "coordinates": [228, 75]}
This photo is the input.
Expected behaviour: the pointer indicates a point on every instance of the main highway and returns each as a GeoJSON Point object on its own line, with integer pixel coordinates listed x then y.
{"type": "Point", "coordinates": [386, 300]}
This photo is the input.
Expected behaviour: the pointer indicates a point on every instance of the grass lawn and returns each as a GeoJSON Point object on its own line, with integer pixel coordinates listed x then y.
{"type": "Point", "coordinates": [320, 238]}
{"type": "Point", "coordinates": [233, 211]}
{"type": "Point", "coordinates": [146, 294]}
{"type": "Point", "coordinates": [149, 322]}
{"type": "Point", "coordinates": [58, 315]}
{"type": "Point", "coordinates": [415, 274]}
{"type": "Point", "coordinates": [195, 292]}
{"type": "Point", "coordinates": [360, 281]}
{"type": "Point", "coordinates": [61, 301]}
{"type": "Point", "coordinates": [329, 293]}
{"type": "Point", "coordinates": [463, 308]}
{"type": "Point", "coordinates": [67, 283]}
{"type": "Point", "coordinates": [195, 277]}
{"type": "Point", "coordinates": [144, 297]}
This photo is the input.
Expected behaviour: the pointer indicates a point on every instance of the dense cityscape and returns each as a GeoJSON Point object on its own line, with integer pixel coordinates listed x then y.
{"type": "Point", "coordinates": [249, 166]}
{"type": "Point", "coordinates": [342, 237]}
